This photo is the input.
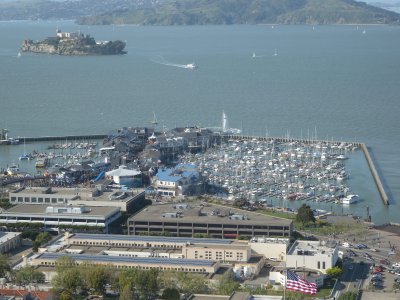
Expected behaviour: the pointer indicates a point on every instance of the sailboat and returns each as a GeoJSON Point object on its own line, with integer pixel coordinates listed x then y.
{"type": "Point", "coordinates": [24, 156]}
{"type": "Point", "coordinates": [19, 54]}
{"type": "Point", "coordinates": [225, 126]}
{"type": "Point", "coordinates": [154, 121]}
{"type": "Point", "coordinates": [276, 53]}
{"type": "Point", "coordinates": [254, 55]}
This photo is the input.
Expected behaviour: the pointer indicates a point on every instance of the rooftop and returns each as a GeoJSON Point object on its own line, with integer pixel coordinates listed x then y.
{"type": "Point", "coordinates": [122, 259]}
{"type": "Point", "coordinates": [177, 173]}
{"type": "Point", "coordinates": [5, 236]}
{"type": "Point", "coordinates": [312, 248]}
{"type": "Point", "coordinates": [138, 238]}
{"type": "Point", "coordinates": [196, 212]}
{"type": "Point", "coordinates": [83, 194]}
{"type": "Point", "coordinates": [38, 209]}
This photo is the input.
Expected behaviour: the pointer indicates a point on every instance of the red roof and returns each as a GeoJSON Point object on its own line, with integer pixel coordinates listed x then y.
{"type": "Point", "coordinates": [41, 295]}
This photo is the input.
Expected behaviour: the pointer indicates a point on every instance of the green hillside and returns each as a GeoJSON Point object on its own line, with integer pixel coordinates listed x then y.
{"type": "Point", "coordinates": [201, 12]}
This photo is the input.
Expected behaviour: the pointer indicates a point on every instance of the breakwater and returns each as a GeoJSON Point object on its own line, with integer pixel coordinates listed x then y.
{"type": "Point", "coordinates": [65, 137]}
{"type": "Point", "coordinates": [375, 175]}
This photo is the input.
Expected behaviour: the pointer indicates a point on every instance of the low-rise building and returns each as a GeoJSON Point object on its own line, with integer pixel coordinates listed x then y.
{"type": "Point", "coordinates": [54, 216]}
{"type": "Point", "coordinates": [215, 221]}
{"type": "Point", "coordinates": [184, 179]}
{"type": "Point", "coordinates": [97, 196]}
{"type": "Point", "coordinates": [9, 241]}
{"type": "Point", "coordinates": [123, 262]}
{"type": "Point", "coordinates": [314, 255]}
{"type": "Point", "coordinates": [272, 248]}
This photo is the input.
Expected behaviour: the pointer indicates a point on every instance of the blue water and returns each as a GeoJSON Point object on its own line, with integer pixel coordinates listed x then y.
{"type": "Point", "coordinates": [333, 80]}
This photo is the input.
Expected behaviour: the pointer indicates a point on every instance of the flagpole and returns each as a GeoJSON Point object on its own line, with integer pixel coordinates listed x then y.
{"type": "Point", "coordinates": [284, 286]}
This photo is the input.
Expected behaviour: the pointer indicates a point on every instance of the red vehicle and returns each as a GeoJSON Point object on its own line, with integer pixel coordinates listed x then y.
{"type": "Point", "coordinates": [378, 269]}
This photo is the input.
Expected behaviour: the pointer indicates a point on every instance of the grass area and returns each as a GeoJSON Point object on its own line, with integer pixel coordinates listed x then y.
{"type": "Point", "coordinates": [279, 214]}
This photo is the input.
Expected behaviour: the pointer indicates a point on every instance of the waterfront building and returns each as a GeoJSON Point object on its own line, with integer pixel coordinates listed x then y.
{"type": "Point", "coordinates": [314, 255]}
{"type": "Point", "coordinates": [125, 176]}
{"type": "Point", "coordinates": [97, 196]}
{"type": "Point", "coordinates": [199, 219]}
{"type": "Point", "coordinates": [54, 216]}
{"type": "Point", "coordinates": [184, 179]}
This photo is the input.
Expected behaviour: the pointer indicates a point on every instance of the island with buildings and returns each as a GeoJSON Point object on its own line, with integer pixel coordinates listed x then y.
{"type": "Point", "coordinates": [73, 43]}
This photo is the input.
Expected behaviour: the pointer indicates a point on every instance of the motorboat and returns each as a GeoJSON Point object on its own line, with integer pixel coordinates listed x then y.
{"type": "Point", "coordinates": [13, 170]}
{"type": "Point", "coordinates": [191, 66]}
{"type": "Point", "coordinates": [350, 199]}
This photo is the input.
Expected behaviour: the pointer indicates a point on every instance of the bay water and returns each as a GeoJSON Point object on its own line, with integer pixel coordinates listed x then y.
{"type": "Point", "coordinates": [331, 82]}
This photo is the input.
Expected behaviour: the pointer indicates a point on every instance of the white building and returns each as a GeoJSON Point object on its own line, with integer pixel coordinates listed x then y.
{"type": "Point", "coordinates": [272, 248]}
{"type": "Point", "coordinates": [124, 176]}
{"type": "Point", "coordinates": [56, 215]}
{"type": "Point", "coordinates": [97, 196]}
{"type": "Point", "coordinates": [184, 179]}
{"type": "Point", "coordinates": [314, 255]}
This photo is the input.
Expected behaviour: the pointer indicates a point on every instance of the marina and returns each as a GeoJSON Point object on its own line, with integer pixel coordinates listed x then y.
{"type": "Point", "coordinates": [273, 171]}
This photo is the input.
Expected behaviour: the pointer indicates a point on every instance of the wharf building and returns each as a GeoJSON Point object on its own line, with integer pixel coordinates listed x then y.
{"type": "Point", "coordinates": [98, 196]}
{"type": "Point", "coordinates": [314, 255]}
{"type": "Point", "coordinates": [54, 216]}
{"type": "Point", "coordinates": [184, 179]}
{"type": "Point", "coordinates": [203, 219]}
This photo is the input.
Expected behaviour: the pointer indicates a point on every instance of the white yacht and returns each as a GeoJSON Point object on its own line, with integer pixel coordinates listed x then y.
{"type": "Point", "coordinates": [350, 199]}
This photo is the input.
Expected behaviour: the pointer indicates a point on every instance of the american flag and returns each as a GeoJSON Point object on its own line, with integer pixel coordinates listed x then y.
{"type": "Point", "coordinates": [295, 283]}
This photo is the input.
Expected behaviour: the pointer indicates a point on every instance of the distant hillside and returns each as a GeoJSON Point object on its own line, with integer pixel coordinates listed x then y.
{"type": "Point", "coordinates": [68, 9]}
{"type": "Point", "coordinates": [199, 12]}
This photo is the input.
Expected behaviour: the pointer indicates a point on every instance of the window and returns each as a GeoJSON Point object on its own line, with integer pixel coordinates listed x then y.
{"type": "Point", "coordinates": [323, 265]}
{"type": "Point", "coordinates": [40, 200]}
{"type": "Point", "coordinates": [20, 199]}
{"type": "Point", "coordinates": [319, 265]}
{"type": "Point", "coordinates": [27, 199]}
{"type": "Point", "coordinates": [13, 199]}
{"type": "Point", "coordinates": [33, 200]}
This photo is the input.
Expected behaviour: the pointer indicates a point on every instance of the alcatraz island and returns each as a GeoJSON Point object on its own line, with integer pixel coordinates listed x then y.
{"type": "Point", "coordinates": [73, 43]}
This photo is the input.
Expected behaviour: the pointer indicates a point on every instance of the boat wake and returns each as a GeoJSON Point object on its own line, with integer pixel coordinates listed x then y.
{"type": "Point", "coordinates": [163, 61]}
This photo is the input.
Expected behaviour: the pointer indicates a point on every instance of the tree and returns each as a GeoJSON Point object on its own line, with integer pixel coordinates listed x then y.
{"type": "Point", "coordinates": [192, 284]}
{"type": "Point", "coordinates": [95, 277]}
{"type": "Point", "coordinates": [334, 272]}
{"type": "Point", "coordinates": [227, 283]}
{"type": "Point", "coordinates": [27, 275]}
{"type": "Point", "coordinates": [305, 215]}
{"type": "Point", "coordinates": [126, 293]}
{"type": "Point", "coordinates": [41, 239]}
{"type": "Point", "coordinates": [170, 294]}
{"type": "Point", "coordinates": [348, 296]}
{"type": "Point", "coordinates": [4, 265]}
{"type": "Point", "coordinates": [68, 277]}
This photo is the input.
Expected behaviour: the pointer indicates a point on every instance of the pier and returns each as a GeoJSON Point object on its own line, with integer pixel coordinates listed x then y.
{"type": "Point", "coordinates": [375, 175]}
